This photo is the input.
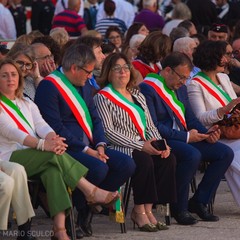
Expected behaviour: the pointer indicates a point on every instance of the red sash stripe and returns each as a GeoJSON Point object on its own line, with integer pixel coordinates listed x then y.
{"type": "Point", "coordinates": [210, 90]}
{"type": "Point", "coordinates": [123, 106]}
{"type": "Point", "coordinates": [20, 126]}
{"type": "Point", "coordinates": [72, 106]}
{"type": "Point", "coordinates": [167, 100]}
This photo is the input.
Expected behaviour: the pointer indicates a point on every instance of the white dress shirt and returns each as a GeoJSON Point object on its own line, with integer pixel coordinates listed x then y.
{"type": "Point", "coordinates": [7, 24]}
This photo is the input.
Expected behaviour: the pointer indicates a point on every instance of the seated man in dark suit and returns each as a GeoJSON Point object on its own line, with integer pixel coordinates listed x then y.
{"type": "Point", "coordinates": [191, 142]}
{"type": "Point", "coordinates": [65, 101]}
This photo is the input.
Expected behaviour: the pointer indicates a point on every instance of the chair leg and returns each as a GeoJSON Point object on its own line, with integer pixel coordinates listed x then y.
{"type": "Point", "coordinates": [72, 218]}
{"type": "Point", "coordinates": [167, 215]}
{"type": "Point", "coordinates": [194, 184]}
{"type": "Point", "coordinates": [125, 200]}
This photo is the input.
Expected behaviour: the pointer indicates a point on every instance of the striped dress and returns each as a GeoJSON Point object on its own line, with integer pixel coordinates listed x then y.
{"type": "Point", "coordinates": [118, 126]}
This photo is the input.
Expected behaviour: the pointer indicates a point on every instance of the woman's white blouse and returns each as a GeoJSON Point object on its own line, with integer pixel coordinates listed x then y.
{"type": "Point", "coordinates": [11, 137]}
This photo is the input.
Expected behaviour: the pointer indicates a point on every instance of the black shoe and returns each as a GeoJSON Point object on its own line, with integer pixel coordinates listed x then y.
{"type": "Point", "coordinates": [79, 232]}
{"type": "Point", "coordinates": [84, 220]}
{"type": "Point", "coordinates": [184, 218]}
{"type": "Point", "coordinates": [24, 232]}
{"type": "Point", "coordinates": [202, 211]}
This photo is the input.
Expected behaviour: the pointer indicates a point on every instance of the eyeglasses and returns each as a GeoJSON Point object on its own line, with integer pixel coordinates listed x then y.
{"type": "Point", "coordinates": [86, 71]}
{"type": "Point", "coordinates": [47, 57]}
{"type": "Point", "coordinates": [118, 68]}
{"type": "Point", "coordinates": [21, 64]}
{"type": "Point", "coordinates": [182, 78]}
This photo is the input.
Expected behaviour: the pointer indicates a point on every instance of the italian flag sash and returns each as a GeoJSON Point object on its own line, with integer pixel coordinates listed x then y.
{"type": "Point", "coordinates": [135, 112]}
{"type": "Point", "coordinates": [158, 83]}
{"type": "Point", "coordinates": [14, 112]}
{"type": "Point", "coordinates": [74, 101]}
{"type": "Point", "coordinates": [212, 88]}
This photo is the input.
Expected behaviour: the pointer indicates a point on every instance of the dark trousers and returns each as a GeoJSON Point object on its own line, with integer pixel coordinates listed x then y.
{"type": "Point", "coordinates": [109, 176]}
{"type": "Point", "coordinates": [154, 178]}
{"type": "Point", "coordinates": [188, 158]}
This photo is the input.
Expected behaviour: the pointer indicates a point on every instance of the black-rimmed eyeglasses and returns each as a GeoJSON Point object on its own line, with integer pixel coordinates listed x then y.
{"type": "Point", "coordinates": [182, 78]}
{"type": "Point", "coordinates": [86, 71]}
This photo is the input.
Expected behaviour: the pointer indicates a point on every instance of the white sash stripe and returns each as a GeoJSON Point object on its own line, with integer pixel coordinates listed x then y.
{"type": "Point", "coordinates": [135, 112]}
{"type": "Point", "coordinates": [25, 125]}
{"type": "Point", "coordinates": [73, 99]}
{"type": "Point", "coordinates": [159, 85]}
{"type": "Point", "coordinates": [216, 90]}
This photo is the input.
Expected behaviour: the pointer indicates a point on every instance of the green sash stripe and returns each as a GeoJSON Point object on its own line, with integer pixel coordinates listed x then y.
{"type": "Point", "coordinates": [15, 108]}
{"type": "Point", "coordinates": [164, 93]}
{"type": "Point", "coordinates": [76, 95]}
{"type": "Point", "coordinates": [135, 112]}
{"type": "Point", "coordinates": [214, 85]}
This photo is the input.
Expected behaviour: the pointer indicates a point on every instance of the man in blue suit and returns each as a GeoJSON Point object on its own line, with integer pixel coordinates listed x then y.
{"type": "Point", "coordinates": [65, 101]}
{"type": "Point", "coordinates": [190, 141]}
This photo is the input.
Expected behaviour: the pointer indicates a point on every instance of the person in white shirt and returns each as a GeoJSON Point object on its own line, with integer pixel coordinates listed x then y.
{"type": "Point", "coordinates": [7, 25]}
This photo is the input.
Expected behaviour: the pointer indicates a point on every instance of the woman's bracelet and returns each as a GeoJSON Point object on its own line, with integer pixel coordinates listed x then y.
{"type": "Point", "coordinates": [40, 145]}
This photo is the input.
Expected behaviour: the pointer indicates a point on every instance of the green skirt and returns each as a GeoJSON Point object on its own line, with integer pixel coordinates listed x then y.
{"type": "Point", "coordinates": [57, 172]}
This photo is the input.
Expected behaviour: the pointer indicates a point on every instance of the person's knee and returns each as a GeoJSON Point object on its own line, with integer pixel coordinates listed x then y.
{"type": "Point", "coordinates": [7, 185]}
{"type": "Point", "coordinates": [129, 166]}
{"type": "Point", "coordinates": [228, 154]}
{"type": "Point", "coordinates": [190, 156]}
{"type": "Point", "coordinates": [99, 173]}
{"type": "Point", "coordinates": [19, 171]}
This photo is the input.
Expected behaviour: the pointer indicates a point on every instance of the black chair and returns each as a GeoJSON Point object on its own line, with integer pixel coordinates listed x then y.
{"type": "Point", "coordinates": [35, 187]}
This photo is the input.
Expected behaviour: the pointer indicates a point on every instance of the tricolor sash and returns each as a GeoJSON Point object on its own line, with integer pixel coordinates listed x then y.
{"type": "Point", "coordinates": [135, 112]}
{"type": "Point", "coordinates": [158, 83]}
{"type": "Point", "coordinates": [74, 101]}
{"type": "Point", "coordinates": [14, 112]}
{"type": "Point", "coordinates": [212, 88]}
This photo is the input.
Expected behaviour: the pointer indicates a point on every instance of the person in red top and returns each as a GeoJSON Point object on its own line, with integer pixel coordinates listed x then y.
{"type": "Point", "coordinates": [70, 20]}
{"type": "Point", "coordinates": [152, 50]}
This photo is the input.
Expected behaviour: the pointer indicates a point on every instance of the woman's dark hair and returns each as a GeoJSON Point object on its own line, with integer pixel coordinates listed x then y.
{"type": "Point", "coordinates": [108, 47]}
{"type": "Point", "coordinates": [133, 29]}
{"type": "Point", "coordinates": [108, 63]}
{"type": "Point", "coordinates": [208, 54]}
{"type": "Point", "coordinates": [112, 29]}
{"type": "Point", "coordinates": [19, 91]}
{"type": "Point", "coordinates": [155, 47]}
{"type": "Point", "coordinates": [109, 7]}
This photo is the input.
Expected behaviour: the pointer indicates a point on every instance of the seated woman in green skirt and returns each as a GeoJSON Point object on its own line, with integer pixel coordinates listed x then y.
{"type": "Point", "coordinates": [25, 138]}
